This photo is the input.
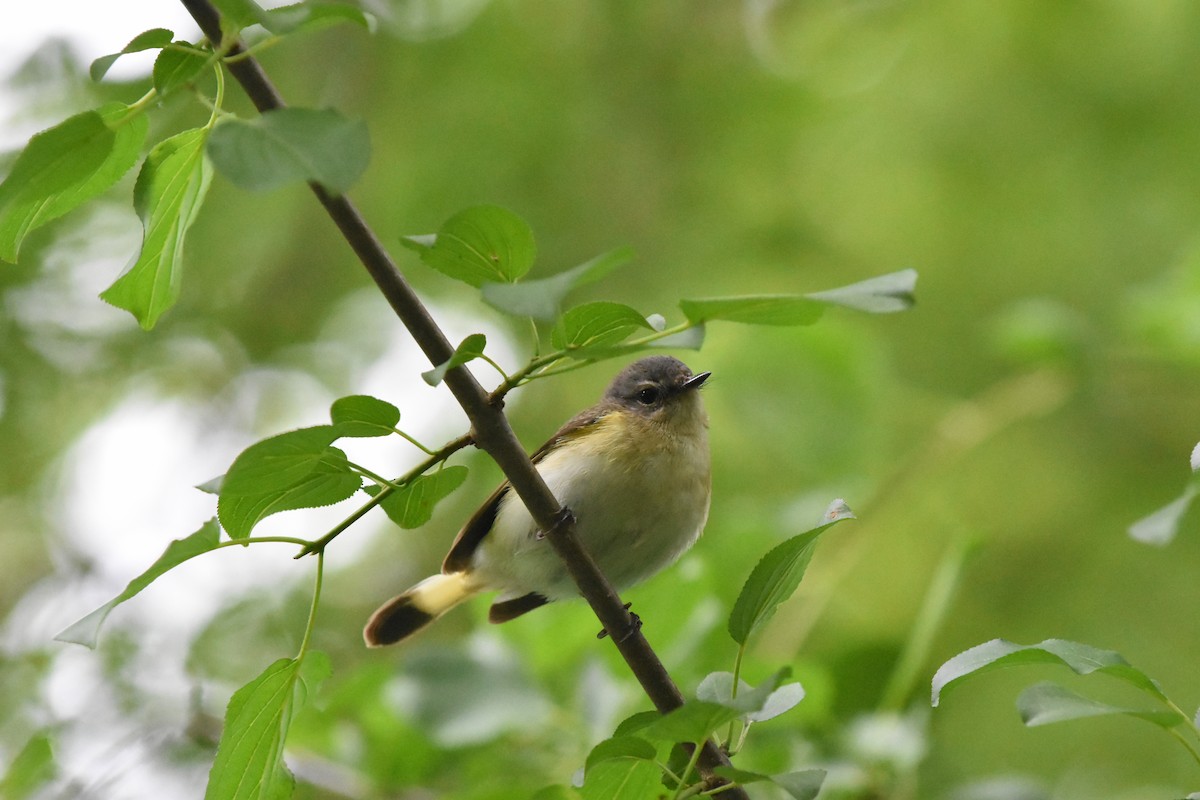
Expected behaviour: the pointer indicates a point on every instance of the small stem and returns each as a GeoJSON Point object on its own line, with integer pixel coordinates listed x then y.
{"type": "Point", "coordinates": [737, 675]}
{"type": "Point", "coordinates": [448, 450]}
{"type": "Point", "coordinates": [219, 99]}
{"type": "Point", "coordinates": [312, 610]}
{"type": "Point", "coordinates": [379, 479]}
{"type": "Point", "coordinates": [412, 441]}
{"type": "Point", "coordinates": [249, 540]}
{"type": "Point", "coordinates": [688, 770]}
{"type": "Point", "coordinates": [254, 49]}
{"type": "Point", "coordinates": [495, 366]}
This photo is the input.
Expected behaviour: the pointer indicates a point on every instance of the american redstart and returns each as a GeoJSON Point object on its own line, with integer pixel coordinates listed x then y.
{"type": "Point", "coordinates": [634, 469]}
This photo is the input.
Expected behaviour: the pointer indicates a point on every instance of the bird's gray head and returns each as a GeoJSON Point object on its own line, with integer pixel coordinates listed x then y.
{"type": "Point", "coordinates": [655, 386]}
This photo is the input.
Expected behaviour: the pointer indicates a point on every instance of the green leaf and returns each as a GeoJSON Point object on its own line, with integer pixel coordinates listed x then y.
{"type": "Point", "coordinates": [249, 763]}
{"type": "Point", "coordinates": [477, 245]}
{"type": "Point", "coordinates": [717, 687]}
{"type": "Point", "coordinates": [1046, 703]}
{"type": "Point", "coordinates": [279, 461]}
{"type": "Point", "coordinates": [556, 793]}
{"type": "Point", "coordinates": [882, 295]}
{"type": "Point", "coordinates": [412, 506]}
{"type": "Point", "coordinates": [542, 299]}
{"type": "Point", "coordinates": [1161, 527]}
{"type": "Point", "coordinates": [291, 145]}
{"type": "Point", "coordinates": [146, 40]}
{"type": "Point", "coordinates": [596, 326]}
{"type": "Point", "coordinates": [696, 719]}
{"type": "Point", "coordinates": [177, 67]}
{"type": "Point", "coordinates": [619, 747]}
{"type": "Point", "coordinates": [330, 480]}
{"type": "Point", "coordinates": [777, 575]}
{"type": "Point", "coordinates": [1083, 659]}
{"type": "Point", "coordinates": [885, 294]}
{"type": "Point", "coordinates": [468, 349]}
{"type": "Point", "coordinates": [623, 779]}
{"type": "Point", "coordinates": [30, 769]}
{"type": "Point", "coordinates": [308, 16]}
{"type": "Point", "coordinates": [86, 630]}
{"type": "Point", "coordinates": [803, 785]}
{"type": "Point", "coordinates": [238, 14]}
{"type": "Point", "coordinates": [170, 189]}
{"type": "Point", "coordinates": [754, 309]}
{"type": "Point", "coordinates": [361, 415]}
{"type": "Point", "coordinates": [65, 166]}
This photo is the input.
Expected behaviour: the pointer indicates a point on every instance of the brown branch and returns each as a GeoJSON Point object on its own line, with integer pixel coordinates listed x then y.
{"type": "Point", "coordinates": [489, 427]}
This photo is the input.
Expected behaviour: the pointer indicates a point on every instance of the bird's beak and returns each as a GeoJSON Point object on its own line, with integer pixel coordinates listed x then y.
{"type": "Point", "coordinates": [695, 382]}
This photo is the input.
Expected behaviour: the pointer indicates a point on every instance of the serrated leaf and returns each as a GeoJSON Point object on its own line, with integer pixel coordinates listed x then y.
{"type": "Point", "coordinates": [361, 415]}
{"type": "Point", "coordinates": [412, 506]}
{"type": "Point", "coordinates": [468, 349]}
{"type": "Point", "coordinates": [291, 145]}
{"type": "Point", "coordinates": [542, 299]}
{"type": "Point", "coordinates": [330, 480]}
{"type": "Point", "coordinates": [167, 197]}
{"type": "Point", "coordinates": [86, 630]}
{"type": "Point", "coordinates": [1081, 658]}
{"type": "Point", "coordinates": [696, 719]}
{"type": "Point", "coordinates": [177, 66]}
{"type": "Point", "coordinates": [65, 166]}
{"type": "Point", "coordinates": [777, 576]}
{"type": "Point", "coordinates": [278, 461]}
{"type": "Point", "coordinates": [594, 326]}
{"type": "Point", "coordinates": [249, 763]}
{"type": "Point", "coordinates": [1047, 703]}
{"type": "Point", "coordinates": [146, 40]}
{"type": "Point", "coordinates": [476, 245]}
{"type": "Point", "coordinates": [622, 779]}
{"type": "Point", "coordinates": [763, 309]}
{"type": "Point", "coordinates": [884, 294]}
{"type": "Point", "coordinates": [620, 747]}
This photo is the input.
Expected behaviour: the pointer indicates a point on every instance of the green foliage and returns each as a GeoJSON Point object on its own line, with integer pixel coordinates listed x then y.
{"type": "Point", "coordinates": [594, 327]}
{"type": "Point", "coordinates": [478, 245]}
{"type": "Point", "coordinates": [29, 769]}
{"type": "Point", "coordinates": [412, 505]}
{"type": "Point", "coordinates": [541, 299]}
{"type": "Point", "coordinates": [86, 630]}
{"type": "Point", "coordinates": [468, 349]}
{"type": "Point", "coordinates": [177, 66]}
{"type": "Point", "coordinates": [153, 39]}
{"type": "Point", "coordinates": [1046, 703]}
{"type": "Point", "coordinates": [291, 145]}
{"type": "Point", "coordinates": [249, 763]}
{"type": "Point", "coordinates": [776, 577]}
{"type": "Point", "coordinates": [65, 166]}
{"type": "Point", "coordinates": [361, 415]}
{"type": "Point", "coordinates": [169, 192]}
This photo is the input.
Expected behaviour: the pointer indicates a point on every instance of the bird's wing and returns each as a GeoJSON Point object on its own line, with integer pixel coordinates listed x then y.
{"type": "Point", "coordinates": [477, 527]}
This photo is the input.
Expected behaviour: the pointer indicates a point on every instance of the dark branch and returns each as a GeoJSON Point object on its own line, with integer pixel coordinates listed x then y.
{"type": "Point", "coordinates": [490, 428]}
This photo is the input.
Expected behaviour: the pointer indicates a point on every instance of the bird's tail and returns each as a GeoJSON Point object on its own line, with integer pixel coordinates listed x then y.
{"type": "Point", "coordinates": [405, 614]}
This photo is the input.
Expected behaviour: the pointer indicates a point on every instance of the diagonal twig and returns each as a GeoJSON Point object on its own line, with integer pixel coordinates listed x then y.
{"type": "Point", "coordinates": [489, 427]}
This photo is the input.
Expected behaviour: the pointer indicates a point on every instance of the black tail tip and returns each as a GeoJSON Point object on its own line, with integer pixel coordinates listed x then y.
{"type": "Point", "coordinates": [395, 622]}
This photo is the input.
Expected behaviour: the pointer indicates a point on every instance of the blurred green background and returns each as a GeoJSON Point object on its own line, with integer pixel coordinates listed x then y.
{"type": "Point", "coordinates": [1038, 163]}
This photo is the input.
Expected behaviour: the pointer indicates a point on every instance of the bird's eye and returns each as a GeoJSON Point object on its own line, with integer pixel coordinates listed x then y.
{"type": "Point", "coordinates": [648, 396]}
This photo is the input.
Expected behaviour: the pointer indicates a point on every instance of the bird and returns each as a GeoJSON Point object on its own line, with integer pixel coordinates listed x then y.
{"type": "Point", "coordinates": [635, 471]}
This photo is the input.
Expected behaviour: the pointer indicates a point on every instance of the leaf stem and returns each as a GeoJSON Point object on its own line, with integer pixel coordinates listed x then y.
{"type": "Point", "coordinates": [249, 540]}
{"type": "Point", "coordinates": [412, 441]}
{"type": "Point", "coordinates": [680, 792]}
{"type": "Point", "coordinates": [379, 479]}
{"type": "Point", "coordinates": [312, 611]}
{"type": "Point", "coordinates": [434, 459]}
